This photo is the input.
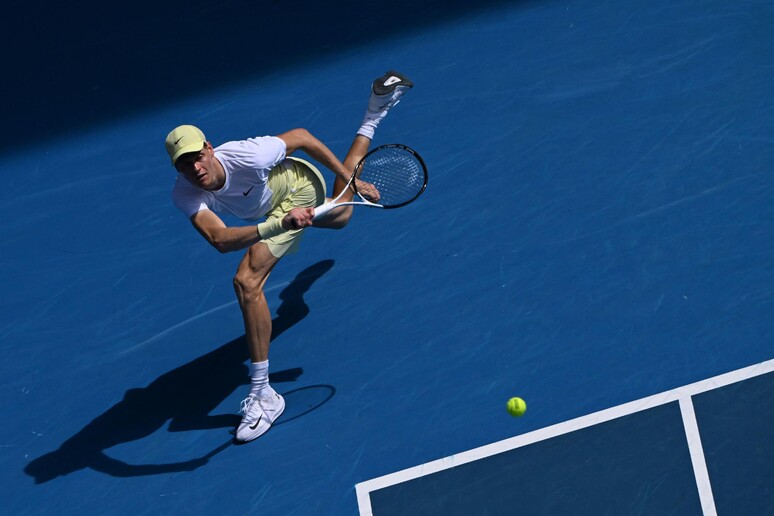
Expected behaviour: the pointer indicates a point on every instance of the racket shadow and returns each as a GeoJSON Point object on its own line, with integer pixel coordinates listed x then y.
{"type": "Point", "coordinates": [302, 401]}
{"type": "Point", "coordinates": [184, 397]}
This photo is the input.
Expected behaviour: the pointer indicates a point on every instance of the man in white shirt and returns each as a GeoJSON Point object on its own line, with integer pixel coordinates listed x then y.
{"type": "Point", "coordinates": [254, 178]}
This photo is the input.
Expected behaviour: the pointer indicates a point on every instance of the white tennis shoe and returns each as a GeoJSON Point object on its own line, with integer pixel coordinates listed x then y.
{"type": "Point", "coordinates": [387, 90]}
{"type": "Point", "coordinates": [259, 414]}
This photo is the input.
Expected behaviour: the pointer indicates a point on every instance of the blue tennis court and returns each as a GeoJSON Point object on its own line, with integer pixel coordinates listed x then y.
{"type": "Point", "coordinates": [596, 238]}
{"type": "Point", "coordinates": [649, 456]}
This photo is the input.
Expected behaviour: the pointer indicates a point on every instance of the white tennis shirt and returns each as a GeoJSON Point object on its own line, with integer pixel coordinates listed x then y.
{"type": "Point", "coordinates": [246, 192]}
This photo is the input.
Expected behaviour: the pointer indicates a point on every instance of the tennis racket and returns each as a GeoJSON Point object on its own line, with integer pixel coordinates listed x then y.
{"type": "Point", "coordinates": [397, 173]}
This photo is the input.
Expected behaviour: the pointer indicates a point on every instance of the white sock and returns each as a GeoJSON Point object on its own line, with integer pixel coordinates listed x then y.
{"type": "Point", "coordinates": [372, 119]}
{"type": "Point", "coordinates": [259, 378]}
{"type": "Point", "coordinates": [369, 124]}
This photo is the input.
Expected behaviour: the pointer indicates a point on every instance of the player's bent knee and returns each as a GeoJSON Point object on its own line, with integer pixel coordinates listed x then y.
{"type": "Point", "coordinates": [247, 286]}
{"type": "Point", "coordinates": [337, 219]}
{"type": "Point", "coordinates": [340, 223]}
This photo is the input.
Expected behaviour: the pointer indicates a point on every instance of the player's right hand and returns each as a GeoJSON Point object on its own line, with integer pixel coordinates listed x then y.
{"type": "Point", "coordinates": [298, 218]}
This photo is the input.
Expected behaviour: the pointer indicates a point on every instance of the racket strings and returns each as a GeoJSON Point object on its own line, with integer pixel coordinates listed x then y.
{"type": "Point", "coordinates": [397, 173]}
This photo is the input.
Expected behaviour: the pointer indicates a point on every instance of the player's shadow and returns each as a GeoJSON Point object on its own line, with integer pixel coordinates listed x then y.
{"type": "Point", "coordinates": [185, 397]}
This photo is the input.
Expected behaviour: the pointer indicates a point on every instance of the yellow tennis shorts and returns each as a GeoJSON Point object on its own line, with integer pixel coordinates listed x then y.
{"type": "Point", "coordinates": [294, 183]}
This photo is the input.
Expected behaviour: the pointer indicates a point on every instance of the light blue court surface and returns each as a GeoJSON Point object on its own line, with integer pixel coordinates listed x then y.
{"type": "Point", "coordinates": [597, 230]}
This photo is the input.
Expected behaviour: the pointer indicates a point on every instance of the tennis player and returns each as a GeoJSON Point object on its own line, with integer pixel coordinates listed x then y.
{"type": "Point", "coordinates": [257, 178]}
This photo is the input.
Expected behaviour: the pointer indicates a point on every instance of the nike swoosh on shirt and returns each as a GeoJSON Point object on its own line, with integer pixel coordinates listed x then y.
{"type": "Point", "coordinates": [247, 192]}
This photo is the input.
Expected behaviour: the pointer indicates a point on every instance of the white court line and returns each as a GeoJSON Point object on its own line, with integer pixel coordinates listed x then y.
{"type": "Point", "coordinates": [174, 327]}
{"type": "Point", "coordinates": [697, 457]}
{"type": "Point", "coordinates": [679, 394]}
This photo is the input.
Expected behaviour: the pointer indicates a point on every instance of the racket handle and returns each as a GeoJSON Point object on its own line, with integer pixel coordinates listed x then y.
{"type": "Point", "coordinates": [323, 209]}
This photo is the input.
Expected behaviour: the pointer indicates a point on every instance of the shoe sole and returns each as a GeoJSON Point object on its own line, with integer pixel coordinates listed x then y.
{"type": "Point", "coordinates": [380, 88]}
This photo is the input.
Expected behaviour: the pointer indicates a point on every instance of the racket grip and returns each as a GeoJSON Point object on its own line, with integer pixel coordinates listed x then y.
{"type": "Point", "coordinates": [323, 209]}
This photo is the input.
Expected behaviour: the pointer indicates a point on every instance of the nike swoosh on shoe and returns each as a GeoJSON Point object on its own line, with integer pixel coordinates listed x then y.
{"type": "Point", "coordinates": [391, 80]}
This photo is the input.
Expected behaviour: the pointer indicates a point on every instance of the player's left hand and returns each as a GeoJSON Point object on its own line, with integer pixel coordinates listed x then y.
{"type": "Point", "coordinates": [298, 218]}
{"type": "Point", "coordinates": [367, 190]}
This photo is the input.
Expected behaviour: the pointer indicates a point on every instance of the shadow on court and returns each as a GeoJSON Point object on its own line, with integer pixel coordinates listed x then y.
{"type": "Point", "coordinates": [102, 61]}
{"type": "Point", "coordinates": [185, 397]}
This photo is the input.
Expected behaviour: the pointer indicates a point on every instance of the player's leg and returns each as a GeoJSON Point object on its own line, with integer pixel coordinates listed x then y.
{"type": "Point", "coordinates": [358, 149]}
{"type": "Point", "coordinates": [386, 92]}
{"type": "Point", "coordinates": [263, 405]}
{"type": "Point", "coordinates": [251, 276]}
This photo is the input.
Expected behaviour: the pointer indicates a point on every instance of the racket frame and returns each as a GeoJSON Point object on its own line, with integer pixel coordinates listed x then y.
{"type": "Point", "coordinates": [352, 184]}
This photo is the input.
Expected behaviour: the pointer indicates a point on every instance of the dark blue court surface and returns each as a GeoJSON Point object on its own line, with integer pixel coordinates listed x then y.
{"type": "Point", "coordinates": [597, 230]}
{"type": "Point", "coordinates": [736, 423]}
{"type": "Point", "coordinates": [638, 464]}
{"type": "Point", "coordinates": [645, 457]}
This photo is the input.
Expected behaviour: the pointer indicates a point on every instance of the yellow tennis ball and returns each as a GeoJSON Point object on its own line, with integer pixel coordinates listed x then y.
{"type": "Point", "coordinates": [516, 407]}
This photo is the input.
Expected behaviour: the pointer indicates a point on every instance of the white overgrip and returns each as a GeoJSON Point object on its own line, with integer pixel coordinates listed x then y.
{"type": "Point", "coordinates": [323, 209]}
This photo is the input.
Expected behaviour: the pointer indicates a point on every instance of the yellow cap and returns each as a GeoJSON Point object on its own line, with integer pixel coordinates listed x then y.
{"type": "Point", "coordinates": [184, 139]}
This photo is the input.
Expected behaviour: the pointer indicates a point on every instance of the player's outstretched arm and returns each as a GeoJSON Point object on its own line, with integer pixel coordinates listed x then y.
{"type": "Point", "coordinates": [226, 239]}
